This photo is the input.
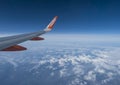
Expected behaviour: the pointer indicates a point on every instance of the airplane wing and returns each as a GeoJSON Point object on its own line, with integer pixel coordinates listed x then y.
{"type": "Point", "coordinates": [10, 43]}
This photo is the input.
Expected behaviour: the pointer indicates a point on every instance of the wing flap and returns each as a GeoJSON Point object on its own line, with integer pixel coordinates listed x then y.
{"type": "Point", "coordinates": [15, 48]}
{"type": "Point", "coordinates": [37, 38]}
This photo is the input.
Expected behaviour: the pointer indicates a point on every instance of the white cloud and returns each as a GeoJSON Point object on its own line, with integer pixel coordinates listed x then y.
{"type": "Point", "coordinates": [91, 76]}
{"type": "Point", "coordinates": [80, 63]}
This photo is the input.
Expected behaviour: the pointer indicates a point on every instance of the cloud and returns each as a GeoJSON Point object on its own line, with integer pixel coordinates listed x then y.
{"type": "Point", "coordinates": [80, 65]}
{"type": "Point", "coordinates": [91, 76]}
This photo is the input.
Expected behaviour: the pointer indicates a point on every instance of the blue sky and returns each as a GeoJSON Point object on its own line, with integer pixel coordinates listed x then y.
{"type": "Point", "coordinates": [75, 16]}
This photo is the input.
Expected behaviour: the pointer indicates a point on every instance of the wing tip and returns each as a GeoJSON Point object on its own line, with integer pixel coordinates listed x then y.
{"type": "Point", "coordinates": [51, 24]}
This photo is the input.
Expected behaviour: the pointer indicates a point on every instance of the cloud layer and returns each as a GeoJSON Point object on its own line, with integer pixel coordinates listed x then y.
{"type": "Point", "coordinates": [61, 63]}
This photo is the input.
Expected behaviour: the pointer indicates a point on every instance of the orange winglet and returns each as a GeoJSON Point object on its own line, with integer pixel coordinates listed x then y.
{"type": "Point", "coordinates": [51, 24]}
{"type": "Point", "coordinates": [37, 38]}
{"type": "Point", "coordinates": [15, 48]}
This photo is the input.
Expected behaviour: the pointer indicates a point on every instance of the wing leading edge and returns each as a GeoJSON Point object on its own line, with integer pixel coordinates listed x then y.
{"type": "Point", "coordinates": [10, 43]}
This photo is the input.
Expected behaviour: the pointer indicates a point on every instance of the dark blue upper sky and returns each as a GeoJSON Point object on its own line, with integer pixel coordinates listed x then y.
{"type": "Point", "coordinates": [75, 16]}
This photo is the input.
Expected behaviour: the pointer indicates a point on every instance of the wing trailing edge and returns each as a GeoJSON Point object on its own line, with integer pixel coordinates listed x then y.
{"type": "Point", "coordinates": [37, 38]}
{"type": "Point", "coordinates": [15, 48]}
